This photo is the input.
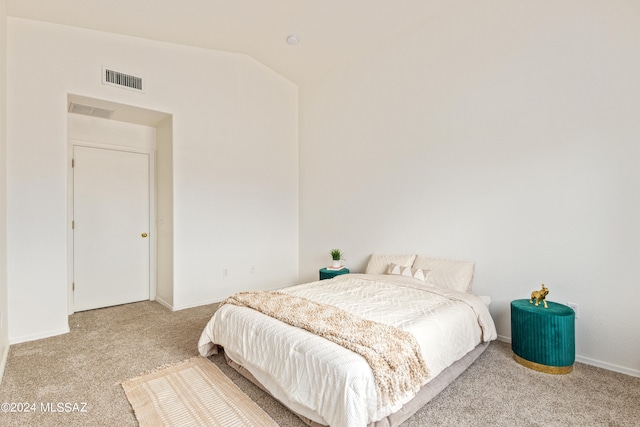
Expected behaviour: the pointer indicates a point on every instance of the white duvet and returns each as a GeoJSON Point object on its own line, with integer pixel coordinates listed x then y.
{"type": "Point", "coordinates": [327, 383]}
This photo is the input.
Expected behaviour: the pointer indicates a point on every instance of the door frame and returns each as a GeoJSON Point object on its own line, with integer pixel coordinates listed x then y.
{"type": "Point", "coordinates": [153, 231]}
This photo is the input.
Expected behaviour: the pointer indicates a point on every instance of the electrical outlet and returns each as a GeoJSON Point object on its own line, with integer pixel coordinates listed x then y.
{"type": "Point", "coordinates": [575, 307]}
{"type": "Point", "coordinates": [253, 269]}
{"type": "Point", "coordinates": [225, 272]}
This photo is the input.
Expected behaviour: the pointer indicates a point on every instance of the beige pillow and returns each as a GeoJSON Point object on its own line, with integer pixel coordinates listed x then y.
{"type": "Point", "coordinates": [444, 273]}
{"type": "Point", "coordinates": [379, 263]}
{"type": "Point", "coordinates": [416, 273]}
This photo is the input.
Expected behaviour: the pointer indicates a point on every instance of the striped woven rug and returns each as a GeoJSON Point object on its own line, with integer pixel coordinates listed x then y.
{"type": "Point", "coordinates": [192, 393]}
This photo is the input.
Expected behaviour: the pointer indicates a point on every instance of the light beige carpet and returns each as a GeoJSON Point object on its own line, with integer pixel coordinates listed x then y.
{"type": "Point", "coordinates": [110, 345]}
{"type": "Point", "coordinates": [192, 393]}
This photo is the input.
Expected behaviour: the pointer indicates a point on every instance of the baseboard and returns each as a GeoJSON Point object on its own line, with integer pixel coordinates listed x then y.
{"type": "Point", "coordinates": [183, 307]}
{"type": "Point", "coordinates": [164, 303]}
{"type": "Point", "coordinates": [608, 366]}
{"type": "Point", "coordinates": [504, 339]}
{"type": "Point", "coordinates": [3, 361]}
{"type": "Point", "coordinates": [592, 362]}
{"type": "Point", "coordinates": [195, 304]}
{"type": "Point", "coordinates": [39, 336]}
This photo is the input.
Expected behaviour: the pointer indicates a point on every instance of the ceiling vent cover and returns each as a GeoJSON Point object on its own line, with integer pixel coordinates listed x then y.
{"type": "Point", "coordinates": [127, 81]}
{"type": "Point", "coordinates": [89, 110]}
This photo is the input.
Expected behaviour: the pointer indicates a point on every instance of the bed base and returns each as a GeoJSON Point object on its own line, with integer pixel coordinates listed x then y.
{"type": "Point", "coordinates": [426, 393]}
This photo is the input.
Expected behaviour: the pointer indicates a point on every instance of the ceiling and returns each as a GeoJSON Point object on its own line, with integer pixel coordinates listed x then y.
{"type": "Point", "coordinates": [330, 32]}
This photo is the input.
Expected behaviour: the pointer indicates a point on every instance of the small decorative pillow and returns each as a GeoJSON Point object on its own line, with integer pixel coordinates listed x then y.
{"type": "Point", "coordinates": [416, 273]}
{"type": "Point", "coordinates": [379, 263]}
{"type": "Point", "coordinates": [456, 275]}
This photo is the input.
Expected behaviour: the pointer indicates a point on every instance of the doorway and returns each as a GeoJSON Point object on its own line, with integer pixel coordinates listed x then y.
{"type": "Point", "coordinates": [111, 227]}
{"type": "Point", "coordinates": [128, 129]}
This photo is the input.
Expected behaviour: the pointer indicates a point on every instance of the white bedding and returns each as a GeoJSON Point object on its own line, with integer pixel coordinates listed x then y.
{"type": "Point", "coordinates": [327, 383]}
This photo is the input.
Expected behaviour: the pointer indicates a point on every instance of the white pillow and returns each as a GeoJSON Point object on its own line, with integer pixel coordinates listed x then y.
{"type": "Point", "coordinates": [444, 273]}
{"type": "Point", "coordinates": [378, 263]}
{"type": "Point", "coordinates": [416, 273]}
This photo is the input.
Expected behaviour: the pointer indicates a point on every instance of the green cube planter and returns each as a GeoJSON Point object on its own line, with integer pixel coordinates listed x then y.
{"type": "Point", "coordinates": [543, 338]}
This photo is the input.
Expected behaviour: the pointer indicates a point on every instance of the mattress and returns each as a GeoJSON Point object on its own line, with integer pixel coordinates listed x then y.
{"type": "Point", "coordinates": [328, 384]}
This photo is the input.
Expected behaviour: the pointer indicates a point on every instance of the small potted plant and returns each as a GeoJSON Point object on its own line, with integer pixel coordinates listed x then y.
{"type": "Point", "coordinates": [336, 256]}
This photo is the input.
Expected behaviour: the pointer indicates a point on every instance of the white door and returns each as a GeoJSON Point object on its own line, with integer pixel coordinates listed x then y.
{"type": "Point", "coordinates": [111, 250]}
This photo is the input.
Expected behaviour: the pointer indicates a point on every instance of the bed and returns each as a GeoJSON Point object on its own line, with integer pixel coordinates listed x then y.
{"type": "Point", "coordinates": [424, 304]}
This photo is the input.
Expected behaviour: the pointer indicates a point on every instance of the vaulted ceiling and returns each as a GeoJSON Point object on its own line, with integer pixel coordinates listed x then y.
{"type": "Point", "coordinates": [330, 32]}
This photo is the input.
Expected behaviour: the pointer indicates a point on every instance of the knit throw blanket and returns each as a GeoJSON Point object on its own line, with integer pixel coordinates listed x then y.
{"type": "Point", "coordinates": [394, 355]}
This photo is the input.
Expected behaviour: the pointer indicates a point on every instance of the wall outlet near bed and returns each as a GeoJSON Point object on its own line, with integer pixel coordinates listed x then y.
{"type": "Point", "coordinates": [575, 307]}
{"type": "Point", "coordinates": [225, 272]}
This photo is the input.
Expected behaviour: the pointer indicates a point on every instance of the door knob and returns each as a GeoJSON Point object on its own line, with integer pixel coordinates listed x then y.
{"type": "Point", "coordinates": [144, 234]}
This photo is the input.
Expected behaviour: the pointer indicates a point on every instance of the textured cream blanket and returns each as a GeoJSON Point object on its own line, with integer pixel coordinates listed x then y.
{"type": "Point", "coordinates": [394, 355]}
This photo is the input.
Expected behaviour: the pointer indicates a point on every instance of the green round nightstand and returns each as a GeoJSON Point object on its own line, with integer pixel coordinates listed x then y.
{"type": "Point", "coordinates": [543, 338]}
{"type": "Point", "coordinates": [327, 273]}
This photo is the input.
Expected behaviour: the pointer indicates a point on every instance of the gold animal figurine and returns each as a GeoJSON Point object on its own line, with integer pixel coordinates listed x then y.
{"type": "Point", "coordinates": [540, 296]}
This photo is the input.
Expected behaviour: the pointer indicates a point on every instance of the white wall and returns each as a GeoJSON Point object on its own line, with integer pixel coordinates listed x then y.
{"type": "Point", "coordinates": [4, 334]}
{"type": "Point", "coordinates": [500, 132]}
{"type": "Point", "coordinates": [234, 164]}
{"type": "Point", "coordinates": [104, 132]}
{"type": "Point", "coordinates": [164, 203]}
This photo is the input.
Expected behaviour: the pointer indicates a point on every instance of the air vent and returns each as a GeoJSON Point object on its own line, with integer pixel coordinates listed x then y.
{"type": "Point", "coordinates": [88, 110]}
{"type": "Point", "coordinates": [127, 81]}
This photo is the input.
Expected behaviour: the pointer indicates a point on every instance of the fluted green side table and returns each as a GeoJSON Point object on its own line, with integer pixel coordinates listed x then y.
{"type": "Point", "coordinates": [543, 338]}
{"type": "Point", "coordinates": [327, 273]}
